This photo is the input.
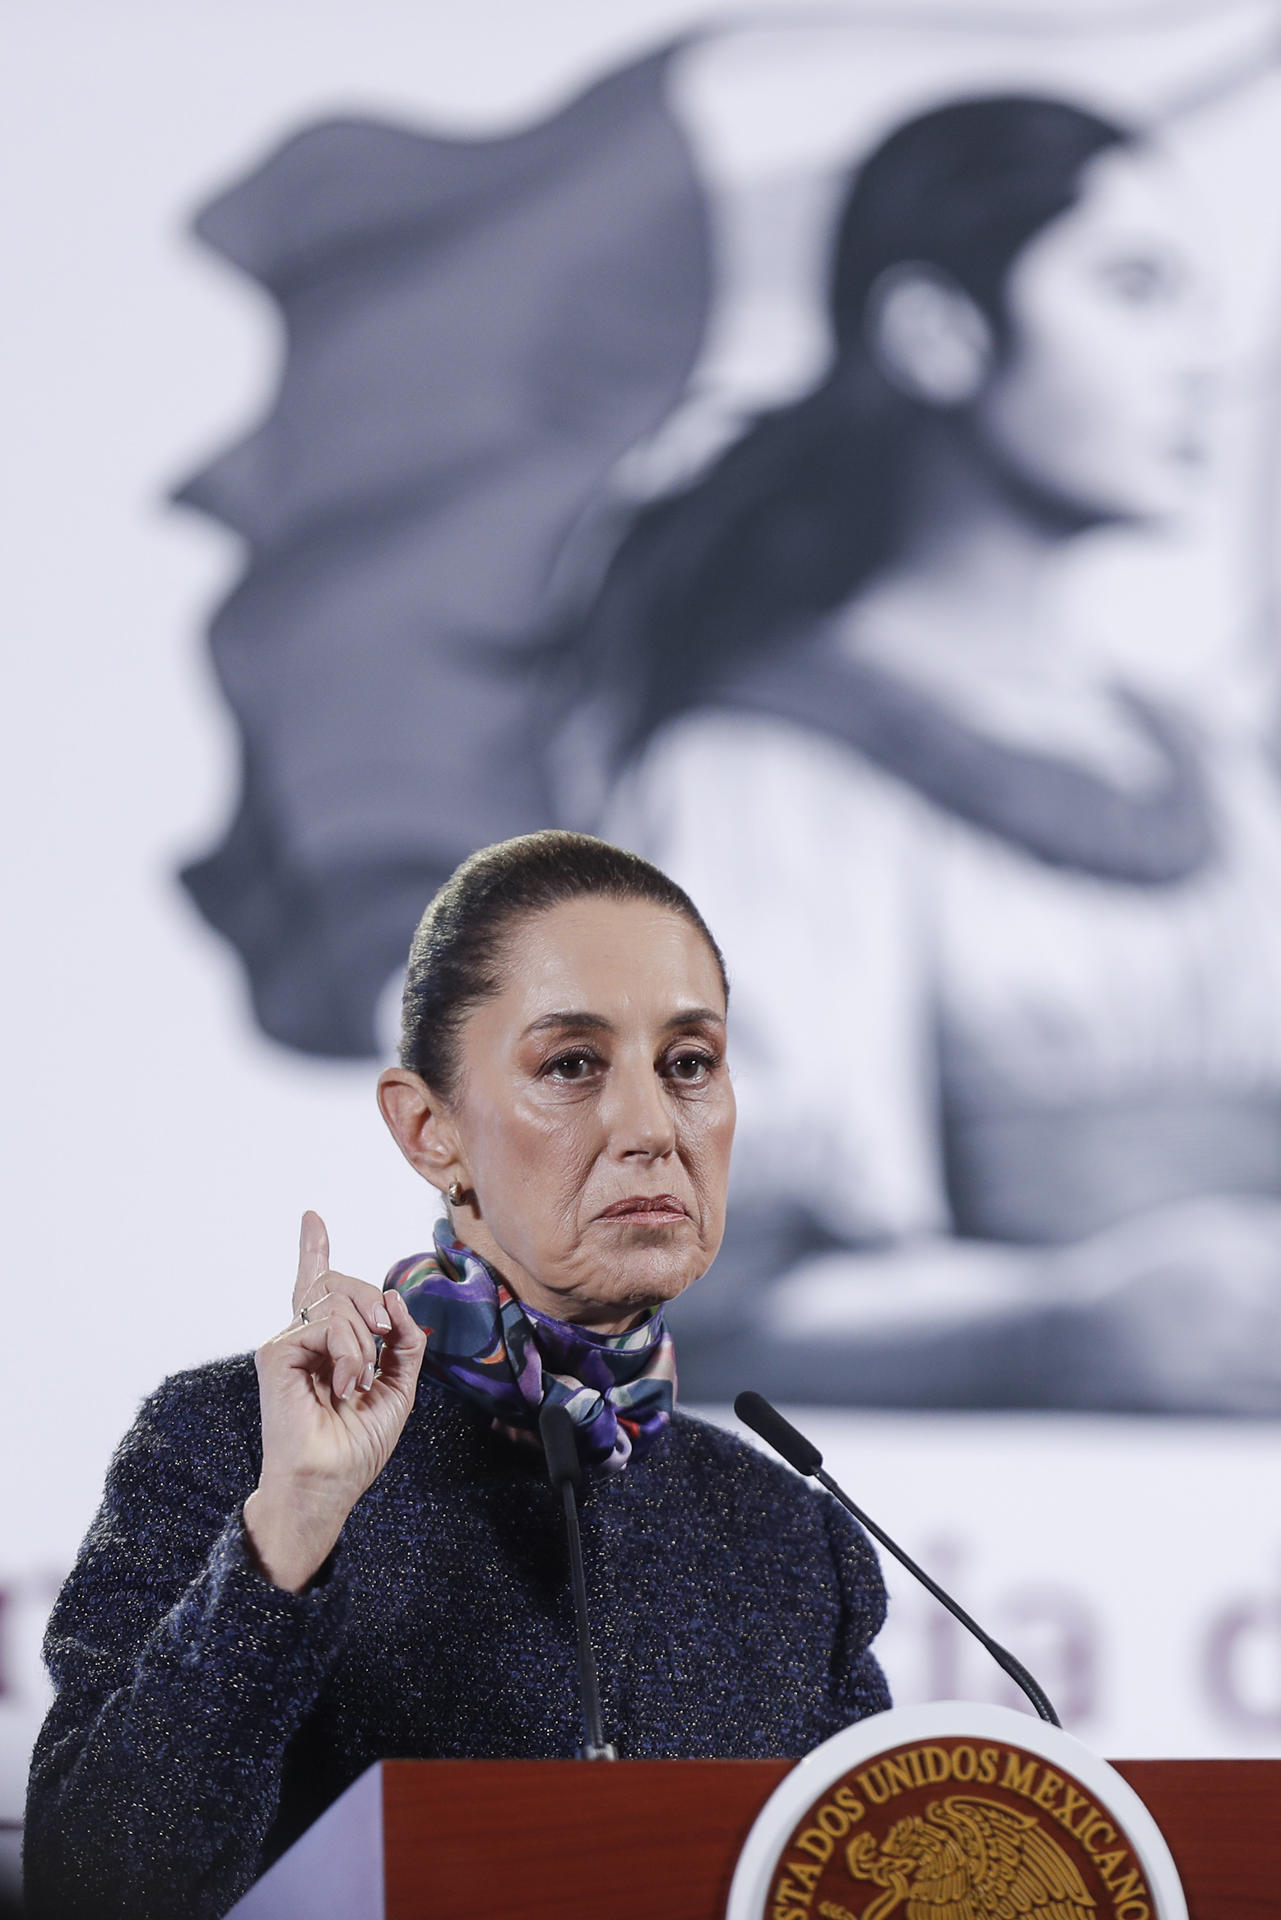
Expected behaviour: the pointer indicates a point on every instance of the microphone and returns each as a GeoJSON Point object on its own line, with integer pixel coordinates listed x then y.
{"type": "Point", "coordinates": [564, 1470]}
{"type": "Point", "coordinates": [757, 1413]}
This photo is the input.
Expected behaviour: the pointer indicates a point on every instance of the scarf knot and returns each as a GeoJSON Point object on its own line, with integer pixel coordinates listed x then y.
{"type": "Point", "coordinates": [511, 1360]}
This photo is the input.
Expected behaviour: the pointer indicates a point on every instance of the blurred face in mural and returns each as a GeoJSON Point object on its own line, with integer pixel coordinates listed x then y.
{"type": "Point", "coordinates": [1093, 405]}
{"type": "Point", "coordinates": [1100, 404]}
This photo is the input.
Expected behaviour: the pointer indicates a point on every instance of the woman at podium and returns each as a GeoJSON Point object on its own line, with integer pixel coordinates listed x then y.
{"type": "Point", "coordinates": [346, 1548]}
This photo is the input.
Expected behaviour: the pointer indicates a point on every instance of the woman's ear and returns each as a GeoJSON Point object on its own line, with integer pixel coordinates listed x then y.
{"type": "Point", "coordinates": [421, 1125]}
{"type": "Point", "coordinates": [926, 335]}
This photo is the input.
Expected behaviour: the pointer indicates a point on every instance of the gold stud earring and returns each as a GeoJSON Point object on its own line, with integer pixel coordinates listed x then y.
{"type": "Point", "coordinates": [455, 1193]}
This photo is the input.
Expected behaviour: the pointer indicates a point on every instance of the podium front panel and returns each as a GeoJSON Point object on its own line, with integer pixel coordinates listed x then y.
{"type": "Point", "coordinates": [570, 1840]}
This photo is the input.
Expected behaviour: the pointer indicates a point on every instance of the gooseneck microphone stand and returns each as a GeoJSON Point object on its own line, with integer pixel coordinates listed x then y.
{"type": "Point", "coordinates": [757, 1413]}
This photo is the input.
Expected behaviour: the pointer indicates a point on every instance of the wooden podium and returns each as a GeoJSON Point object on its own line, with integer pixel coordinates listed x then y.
{"type": "Point", "coordinates": [572, 1840]}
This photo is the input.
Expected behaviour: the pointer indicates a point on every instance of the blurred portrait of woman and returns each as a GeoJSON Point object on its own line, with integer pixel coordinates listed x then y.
{"type": "Point", "coordinates": [1030, 1152]}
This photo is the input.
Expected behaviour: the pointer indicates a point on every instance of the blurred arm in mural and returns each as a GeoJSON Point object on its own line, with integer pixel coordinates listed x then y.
{"type": "Point", "coordinates": [1003, 925]}
{"type": "Point", "coordinates": [1005, 933]}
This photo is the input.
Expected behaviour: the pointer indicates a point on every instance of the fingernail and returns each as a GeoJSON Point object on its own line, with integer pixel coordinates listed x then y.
{"type": "Point", "coordinates": [381, 1319]}
{"type": "Point", "coordinates": [367, 1378]}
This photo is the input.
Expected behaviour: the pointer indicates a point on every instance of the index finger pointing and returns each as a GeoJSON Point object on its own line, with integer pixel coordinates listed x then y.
{"type": "Point", "coordinates": [313, 1252]}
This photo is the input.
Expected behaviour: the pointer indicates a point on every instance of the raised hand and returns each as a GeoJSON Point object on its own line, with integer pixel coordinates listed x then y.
{"type": "Point", "coordinates": [333, 1408]}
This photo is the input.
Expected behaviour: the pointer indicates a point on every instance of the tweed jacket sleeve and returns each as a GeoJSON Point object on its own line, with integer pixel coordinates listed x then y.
{"type": "Point", "coordinates": [181, 1675]}
{"type": "Point", "coordinates": [859, 1684]}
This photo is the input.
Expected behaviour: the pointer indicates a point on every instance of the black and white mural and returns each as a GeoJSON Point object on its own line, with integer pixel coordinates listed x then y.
{"type": "Point", "coordinates": [831, 637]}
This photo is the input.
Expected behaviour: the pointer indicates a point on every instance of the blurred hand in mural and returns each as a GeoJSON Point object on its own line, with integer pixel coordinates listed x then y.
{"type": "Point", "coordinates": [334, 1402]}
{"type": "Point", "coordinates": [1187, 1307]}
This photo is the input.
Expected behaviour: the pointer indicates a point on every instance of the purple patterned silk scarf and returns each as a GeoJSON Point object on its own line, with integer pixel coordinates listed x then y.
{"type": "Point", "coordinates": [509, 1359]}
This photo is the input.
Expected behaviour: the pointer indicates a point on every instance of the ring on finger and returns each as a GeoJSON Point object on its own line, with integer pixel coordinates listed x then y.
{"type": "Point", "coordinates": [305, 1312]}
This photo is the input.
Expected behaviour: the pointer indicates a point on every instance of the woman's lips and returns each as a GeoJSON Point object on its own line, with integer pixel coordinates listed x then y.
{"type": "Point", "coordinates": [661, 1206]}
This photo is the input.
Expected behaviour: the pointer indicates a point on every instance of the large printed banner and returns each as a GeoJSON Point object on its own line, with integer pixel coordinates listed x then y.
{"type": "Point", "coordinates": [776, 536]}
{"type": "Point", "coordinates": [833, 454]}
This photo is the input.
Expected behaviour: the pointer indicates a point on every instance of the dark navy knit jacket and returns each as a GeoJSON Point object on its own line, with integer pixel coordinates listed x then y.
{"type": "Point", "coordinates": [204, 1717]}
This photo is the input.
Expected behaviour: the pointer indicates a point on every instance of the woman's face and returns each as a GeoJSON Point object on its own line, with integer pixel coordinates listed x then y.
{"type": "Point", "coordinates": [594, 1112]}
{"type": "Point", "coordinates": [1099, 406]}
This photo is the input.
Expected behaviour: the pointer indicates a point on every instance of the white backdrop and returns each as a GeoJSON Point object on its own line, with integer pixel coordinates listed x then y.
{"type": "Point", "coordinates": [158, 1151]}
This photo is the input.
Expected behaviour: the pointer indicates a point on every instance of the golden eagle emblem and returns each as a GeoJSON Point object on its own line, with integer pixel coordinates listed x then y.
{"type": "Point", "coordinates": [968, 1858]}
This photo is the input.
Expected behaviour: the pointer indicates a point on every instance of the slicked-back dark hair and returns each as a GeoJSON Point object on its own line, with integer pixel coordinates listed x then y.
{"type": "Point", "coordinates": [456, 960]}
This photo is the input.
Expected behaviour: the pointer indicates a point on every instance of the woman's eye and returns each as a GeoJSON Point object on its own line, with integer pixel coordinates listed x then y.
{"type": "Point", "coordinates": [577, 1064]}
{"type": "Point", "coordinates": [692, 1066]}
{"type": "Point", "coordinates": [1140, 281]}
